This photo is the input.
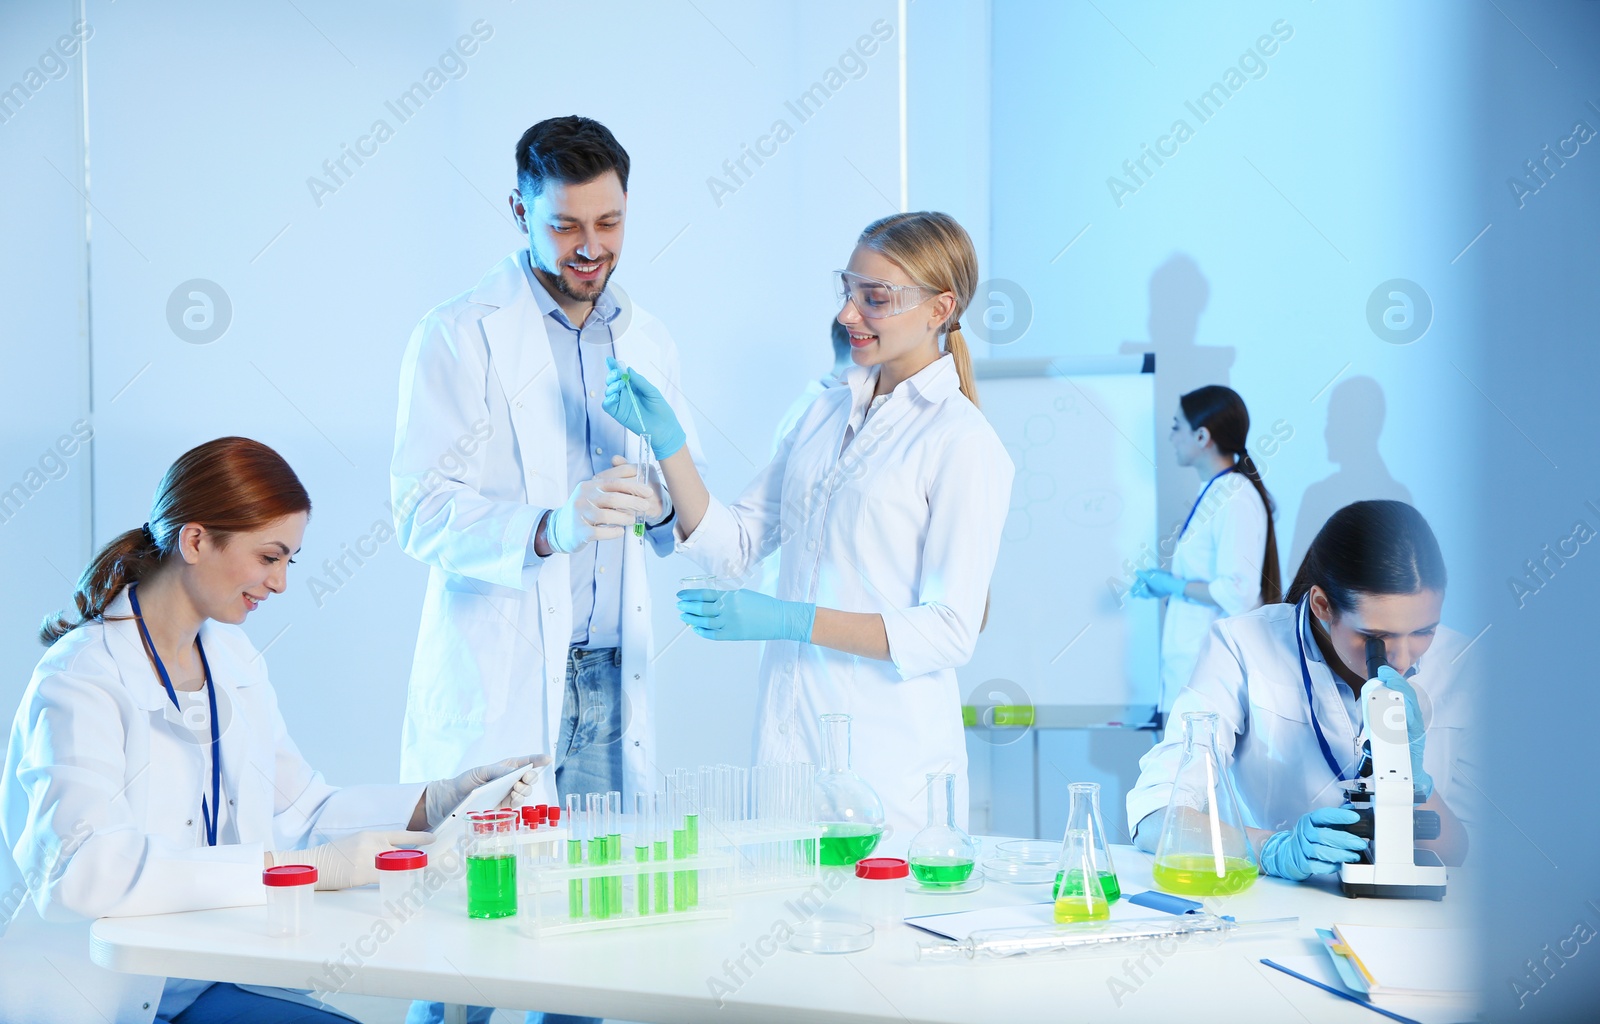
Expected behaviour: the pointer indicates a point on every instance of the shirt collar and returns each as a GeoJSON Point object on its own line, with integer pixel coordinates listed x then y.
{"type": "Point", "coordinates": [606, 306]}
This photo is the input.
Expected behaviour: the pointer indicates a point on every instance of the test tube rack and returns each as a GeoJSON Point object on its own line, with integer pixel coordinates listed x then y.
{"type": "Point", "coordinates": [686, 851]}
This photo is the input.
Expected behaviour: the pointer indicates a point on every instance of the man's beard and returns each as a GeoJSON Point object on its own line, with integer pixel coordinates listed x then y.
{"type": "Point", "coordinates": [576, 291]}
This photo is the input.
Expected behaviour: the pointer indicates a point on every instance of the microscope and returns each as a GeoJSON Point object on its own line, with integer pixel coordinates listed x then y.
{"type": "Point", "coordinates": [1391, 867]}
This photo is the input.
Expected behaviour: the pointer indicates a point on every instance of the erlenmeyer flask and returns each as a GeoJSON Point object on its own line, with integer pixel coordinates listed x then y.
{"type": "Point", "coordinates": [942, 855]}
{"type": "Point", "coordinates": [1080, 897]}
{"type": "Point", "coordinates": [850, 813]}
{"type": "Point", "coordinates": [1083, 814]}
{"type": "Point", "coordinates": [1204, 850]}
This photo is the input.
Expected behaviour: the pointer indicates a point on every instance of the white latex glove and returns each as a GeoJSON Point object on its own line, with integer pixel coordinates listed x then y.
{"type": "Point", "coordinates": [348, 860]}
{"type": "Point", "coordinates": [657, 502]}
{"type": "Point", "coordinates": [443, 796]}
{"type": "Point", "coordinates": [598, 510]}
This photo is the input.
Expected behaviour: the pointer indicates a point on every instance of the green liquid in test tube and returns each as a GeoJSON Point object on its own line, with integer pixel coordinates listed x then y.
{"type": "Point", "coordinates": [659, 853]}
{"type": "Point", "coordinates": [574, 857]}
{"type": "Point", "coordinates": [691, 828]}
{"type": "Point", "coordinates": [614, 853]}
{"type": "Point", "coordinates": [641, 851]}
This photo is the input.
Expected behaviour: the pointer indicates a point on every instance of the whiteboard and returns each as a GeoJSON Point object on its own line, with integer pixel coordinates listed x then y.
{"type": "Point", "coordinates": [1064, 646]}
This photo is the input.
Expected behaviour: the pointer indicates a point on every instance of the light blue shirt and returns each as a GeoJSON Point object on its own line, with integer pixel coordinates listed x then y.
{"type": "Point", "coordinates": [593, 437]}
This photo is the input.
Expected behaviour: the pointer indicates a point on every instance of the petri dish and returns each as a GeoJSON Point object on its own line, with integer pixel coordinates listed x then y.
{"type": "Point", "coordinates": [1023, 862]}
{"type": "Point", "coordinates": [831, 937]}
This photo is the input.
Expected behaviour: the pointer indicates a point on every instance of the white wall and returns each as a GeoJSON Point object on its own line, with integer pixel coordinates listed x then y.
{"type": "Point", "coordinates": [206, 124]}
{"type": "Point", "coordinates": [44, 481]}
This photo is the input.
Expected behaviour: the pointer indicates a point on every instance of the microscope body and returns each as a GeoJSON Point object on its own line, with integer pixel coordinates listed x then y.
{"type": "Point", "coordinates": [1393, 867]}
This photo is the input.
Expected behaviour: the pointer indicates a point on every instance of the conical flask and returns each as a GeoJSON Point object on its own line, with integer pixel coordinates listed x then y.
{"type": "Point", "coordinates": [1080, 897]}
{"type": "Point", "coordinates": [1204, 850]}
{"type": "Point", "coordinates": [850, 813]}
{"type": "Point", "coordinates": [1083, 814]}
{"type": "Point", "coordinates": [942, 855]}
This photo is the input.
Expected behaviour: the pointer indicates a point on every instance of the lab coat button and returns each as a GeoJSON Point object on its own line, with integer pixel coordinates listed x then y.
{"type": "Point", "coordinates": [597, 449]}
{"type": "Point", "coordinates": [189, 822]}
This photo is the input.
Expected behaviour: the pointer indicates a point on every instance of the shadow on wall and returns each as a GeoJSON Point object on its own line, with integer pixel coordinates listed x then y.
{"type": "Point", "coordinates": [1355, 421]}
{"type": "Point", "coordinates": [1179, 293]}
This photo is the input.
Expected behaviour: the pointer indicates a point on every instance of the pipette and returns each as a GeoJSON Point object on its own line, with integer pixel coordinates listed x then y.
{"type": "Point", "coordinates": [1110, 938]}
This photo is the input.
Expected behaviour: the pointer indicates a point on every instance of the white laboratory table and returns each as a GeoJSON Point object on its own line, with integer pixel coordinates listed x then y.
{"type": "Point", "coordinates": [663, 973]}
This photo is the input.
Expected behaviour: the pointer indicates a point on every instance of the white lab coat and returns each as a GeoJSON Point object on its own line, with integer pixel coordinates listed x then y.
{"type": "Point", "coordinates": [480, 449]}
{"type": "Point", "coordinates": [1249, 674]}
{"type": "Point", "coordinates": [905, 522]}
{"type": "Point", "coordinates": [1223, 545]}
{"type": "Point", "coordinates": [100, 808]}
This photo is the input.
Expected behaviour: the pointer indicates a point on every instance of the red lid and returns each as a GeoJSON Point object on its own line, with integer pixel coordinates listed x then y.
{"type": "Point", "coordinates": [555, 815]}
{"type": "Point", "coordinates": [289, 874]}
{"type": "Point", "coordinates": [543, 811]}
{"type": "Point", "coordinates": [882, 867]}
{"type": "Point", "coordinates": [400, 860]}
{"type": "Point", "coordinates": [530, 816]}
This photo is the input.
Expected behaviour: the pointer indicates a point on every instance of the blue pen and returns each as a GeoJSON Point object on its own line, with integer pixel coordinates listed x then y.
{"type": "Point", "coordinates": [1340, 993]}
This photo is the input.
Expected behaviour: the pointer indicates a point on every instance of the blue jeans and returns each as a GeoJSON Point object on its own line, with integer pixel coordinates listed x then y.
{"type": "Point", "coordinates": [223, 1003]}
{"type": "Point", "coordinates": [588, 759]}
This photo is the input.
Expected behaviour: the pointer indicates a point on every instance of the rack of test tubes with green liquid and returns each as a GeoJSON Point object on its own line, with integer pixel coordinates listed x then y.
{"type": "Point", "coordinates": [687, 849]}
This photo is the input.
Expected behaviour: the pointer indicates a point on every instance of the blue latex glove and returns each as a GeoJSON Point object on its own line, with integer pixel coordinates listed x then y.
{"type": "Point", "coordinates": [1416, 730]}
{"type": "Point", "coordinates": [1157, 583]}
{"type": "Point", "coordinates": [636, 404]}
{"type": "Point", "coordinates": [745, 615]}
{"type": "Point", "coordinates": [1308, 849]}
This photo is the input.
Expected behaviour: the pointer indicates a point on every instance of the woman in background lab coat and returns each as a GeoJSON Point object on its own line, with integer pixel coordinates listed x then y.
{"type": "Point", "coordinates": [1226, 558]}
{"type": "Point", "coordinates": [1284, 681]}
{"type": "Point", "coordinates": [887, 500]}
{"type": "Point", "coordinates": [149, 770]}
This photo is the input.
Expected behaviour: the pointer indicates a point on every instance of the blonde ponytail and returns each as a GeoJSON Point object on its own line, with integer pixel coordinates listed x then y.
{"type": "Point", "coordinates": [956, 345]}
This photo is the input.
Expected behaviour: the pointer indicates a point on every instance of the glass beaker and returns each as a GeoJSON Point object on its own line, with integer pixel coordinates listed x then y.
{"type": "Point", "coordinates": [1083, 813]}
{"type": "Point", "coordinates": [491, 865]}
{"type": "Point", "coordinates": [1080, 896]}
{"type": "Point", "coordinates": [849, 812]}
{"type": "Point", "coordinates": [1204, 850]}
{"type": "Point", "coordinates": [941, 854]}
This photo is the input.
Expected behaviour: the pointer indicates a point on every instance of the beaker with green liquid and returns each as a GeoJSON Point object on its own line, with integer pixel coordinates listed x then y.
{"type": "Point", "coordinates": [941, 854]}
{"type": "Point", "coordinates": [491, 865]}
{"type": "Point", "coordinates": [847, 809]}
{"type": "Point", "coordinates": [1079, 896]}
{"type": "Point", "coordinates": [1083, 814]}
{"type": "Point", "coordinates": [1204, 850]}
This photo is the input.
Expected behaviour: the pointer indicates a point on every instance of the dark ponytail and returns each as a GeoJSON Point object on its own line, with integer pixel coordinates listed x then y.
{"type": "Point", "coordinates": [230, 485]}
{"type": "Point", "coordinates": [1371, 547]}
{"type": "Point", "coordinates": [1222, 412]}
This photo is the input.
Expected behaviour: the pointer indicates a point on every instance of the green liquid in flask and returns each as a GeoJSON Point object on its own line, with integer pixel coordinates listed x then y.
{"type": "Point", "coordinates": [599, 892]}
{"type": "Point", "coordinates": [941, 872]}
{"type": "Point", "coordinates": [843, 844]}
{"type": "Point", "coordinates": [1072, 909]}
{"type": "Point", "coordinates": [491, 886]}
{"type": "Point", "coordinates": [1108, 885]}
{"type": "Point", "coordinates": [614, 882]}
{"type": "Point", "coordinates": [638, 529]}
{"type": "Point", "coordinates": [680, 879]}
{"type": "Point", "coordinates": [1196, 875]}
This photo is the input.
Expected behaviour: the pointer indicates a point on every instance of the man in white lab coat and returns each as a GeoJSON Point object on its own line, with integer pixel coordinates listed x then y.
{"type": "Point", "coordinates": [514, 486]}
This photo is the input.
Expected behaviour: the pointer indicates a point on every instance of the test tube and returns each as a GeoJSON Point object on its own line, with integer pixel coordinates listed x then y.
{"type": "Point", "coordinates": [574, 858]}
{"type": "Point", "coordinates": [595, 827]}
{"type": "Point", "coordinates": [642, 476]}
{"type": "Point", "coordinates": [614, 851]}
{"type": "Point", "coordinates": [641, 850]}
{"type": "Point", "coordinates": [658, 842]}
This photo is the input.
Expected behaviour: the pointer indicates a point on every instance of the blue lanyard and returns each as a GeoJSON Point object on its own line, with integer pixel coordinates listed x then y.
{"type": "Point", "coordinates": [1303, 610]}
{"type": "Point", "coordinates": [1196, 506]}
{"type": "Point", "coordinates": [206, 814]}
